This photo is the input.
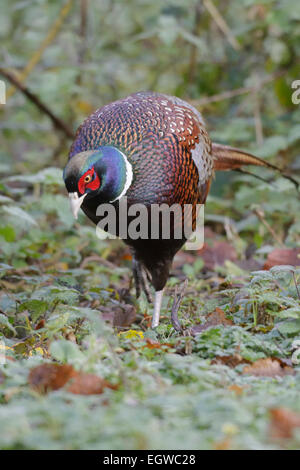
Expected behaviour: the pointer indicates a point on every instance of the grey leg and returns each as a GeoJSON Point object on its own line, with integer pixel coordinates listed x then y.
{"type": "Point", "coordinates": [141, 277]}
{"type": "Point", "coordinates": [157, 307]}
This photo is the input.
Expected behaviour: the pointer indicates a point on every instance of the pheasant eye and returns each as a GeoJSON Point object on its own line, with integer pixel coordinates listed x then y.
{"type": "Point", "coordinates": [88, 181]}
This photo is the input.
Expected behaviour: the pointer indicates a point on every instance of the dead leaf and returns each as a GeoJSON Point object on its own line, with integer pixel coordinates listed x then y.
{"type": "Point", "coordinates": [50, 377]}
{"type": "Point", "coordinates": [70, 336]}
{"type": "Point", "coordinates": [47, 377]}
{"type": "Point", "coordinates": [88, 384]}
{"type": "Point", "coordinates": [283, 423]}
{"type": "Point", "coordinates": [10, 392]}
{"type": "Point", "coordinates": [249, 264]}
{"type": "Point", "coordinates": [119, 315]}
{"type": "Point", "coordinates": [269, 367]}
{"type": "Point", "coordinates": [151, 344]}
{"type": "Point", "coordinates": [181, 258]}
{"type": "Point", "coordinates": [217, 317]}
{"type": "Point", "coordinates": [230, 361]}
{"type": "Point", "coordinates": [126, 257]}
{"type": "Point", "coordinates": [283, 256]}
{"type": "Point", "coordinates": [236, 389]}
{"type": "Point", "coordinates": [217, 253]}
{"type": "Point", "coordinates": [40, 324]}
{"type": "Point", "coordinates": [225, 444]}
{"type": "Point", "coordinates": [2, 377]}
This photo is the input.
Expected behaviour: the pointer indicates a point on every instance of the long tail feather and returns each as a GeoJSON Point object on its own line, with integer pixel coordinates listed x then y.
{"type": "Point", "coordinates": [230, 158]}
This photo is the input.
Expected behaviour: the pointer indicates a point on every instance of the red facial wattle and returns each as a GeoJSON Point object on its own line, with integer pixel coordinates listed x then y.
{"type": "Point", "coordinates": [93, 184]}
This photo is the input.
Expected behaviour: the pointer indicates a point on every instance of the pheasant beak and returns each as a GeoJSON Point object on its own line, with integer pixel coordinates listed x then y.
{"type": "Point", "coordinates": [75, 203]}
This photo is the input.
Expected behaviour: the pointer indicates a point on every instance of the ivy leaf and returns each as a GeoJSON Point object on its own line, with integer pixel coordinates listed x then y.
{"type": "Point", "coordinates": [65, 351]}
{"type": "Point", "coordinates": [5, 322]}
{"type": "Point", "coordinates": [17, 213]}
{"type": "Point", "coordinates": [290, 328]}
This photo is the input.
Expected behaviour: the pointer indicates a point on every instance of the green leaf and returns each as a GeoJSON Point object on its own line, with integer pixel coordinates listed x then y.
{"type": "Point", "coordinates": [290, 327]}
{"type": "Point", "coordinates": [17, 213]}
{"type": "Point", "coordinates": [5, 322]}
{"type": "Point", "coordinates": [35, 307]}
{"type": "Point", "coordinates": [8, 233]}
{"type": "Point", "coordinates": [65, 351]}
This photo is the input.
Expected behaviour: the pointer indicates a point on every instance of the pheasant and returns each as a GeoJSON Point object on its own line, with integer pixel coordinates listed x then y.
{"type": "Point", "coordinates": [152, 149]}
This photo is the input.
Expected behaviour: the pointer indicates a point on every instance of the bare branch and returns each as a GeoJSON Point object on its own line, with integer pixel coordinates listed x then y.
{"type": "Point", "coordinates": [58, 123]}
{"type": "Point", "coordinates": [176, 304]}
{"type": "Point", "coordinates": [52, 33]}
{"type": "Point", "coordinates": [218, 18]}
{"type": "Point", "coordinates": [225, 95]}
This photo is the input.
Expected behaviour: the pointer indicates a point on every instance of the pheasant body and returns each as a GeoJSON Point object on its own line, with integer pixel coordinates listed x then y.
{"type": "Point", "coordinates": [153, 149]}
{"type": "Point", "coordinates": [164, 139]}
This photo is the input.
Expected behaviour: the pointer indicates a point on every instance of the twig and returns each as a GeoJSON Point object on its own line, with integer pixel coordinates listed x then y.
{"type": "Point", "coordinates": [225, 95]}
{"type": "Point", "coordinates": [221, 23]}
{"type": "Point", "coordinates": [82, 35]}
{"type": "Point", "coordinates": [245, 172]}
{"type": "Point", "coordinates": [176, 304]}
{"type": "Point", "coordinates": [58, 123]}
{"type": "Point", "coordinates": [296, 285]}
{"type": "Point", "coordinates": [103, 261]}
{"type": "Point", "coordinates": [194, 48]}
{"type": "Point", "coordinates": [257, 119]}
{"type": "Point", "coordinates": [83, 25]}
{"type": "Point", "coordinates": [46, 42]}
{"type": "Point", "coordinates": [118, 363]}
{"type": "Point", "coordinates": [261, 217]}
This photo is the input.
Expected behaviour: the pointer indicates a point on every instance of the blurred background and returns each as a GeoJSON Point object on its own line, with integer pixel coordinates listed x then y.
{"type": "Point", "coordinates": [234, 60]}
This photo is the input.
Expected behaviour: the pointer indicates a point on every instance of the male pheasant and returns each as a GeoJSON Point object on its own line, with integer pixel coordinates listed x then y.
{"type": "Point", "coordinates": [153, 149]}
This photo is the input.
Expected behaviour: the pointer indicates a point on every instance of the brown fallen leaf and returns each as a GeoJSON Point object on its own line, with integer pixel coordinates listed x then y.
{"type": "Point", "coordinates": [47, 377]}
{"type": "Point", "coordinates": [230, 361]}
{"type": "Point", "coordinates": [151, 344]}
{"type": "Point", "coordinates": [126, 257]}
{"type": "Point", "coordinates": [183, 257]}
{"type": "Point", "coordinates": [50, 377]}
{"type": "Point", "coordinates": [225, 444]}
{"type": "Point", "coordinates": [217, 317]}
{"type": "Point", "coordinates": [283, 422]}
{"type": "Point", "coordinates": [217, 253]}
{"type": "Point", "coordinates": [249, 264]}
{"type": "Point", "coordinates": [209, 233]}
{"type": "Point", "coordinates": [40, 324]}
{"type": "Point", "coordinates": [283, 256]}
{"type": "Point", "coordinates": [269, 367]}
{"type": "Point", "coordinates": [236, 389]}
{"type": "Point", "coordinates": [88, 384]}
{"type": "Point", "coordinates": [119, 315]}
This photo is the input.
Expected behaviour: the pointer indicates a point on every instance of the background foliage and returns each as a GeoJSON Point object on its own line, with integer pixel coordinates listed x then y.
{"type": "Point", "coordinates": [56, 276]}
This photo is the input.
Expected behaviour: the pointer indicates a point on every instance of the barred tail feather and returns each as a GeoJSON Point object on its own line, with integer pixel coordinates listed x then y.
{"type": "Point", "coordinates": [230, 158]}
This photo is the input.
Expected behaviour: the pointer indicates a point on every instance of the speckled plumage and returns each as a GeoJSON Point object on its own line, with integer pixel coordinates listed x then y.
{"type": "Point", "coordinates": [160, 135]}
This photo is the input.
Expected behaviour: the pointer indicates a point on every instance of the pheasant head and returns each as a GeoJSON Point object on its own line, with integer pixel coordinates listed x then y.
{"type": "Point", "coordinates": [105, 173]}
